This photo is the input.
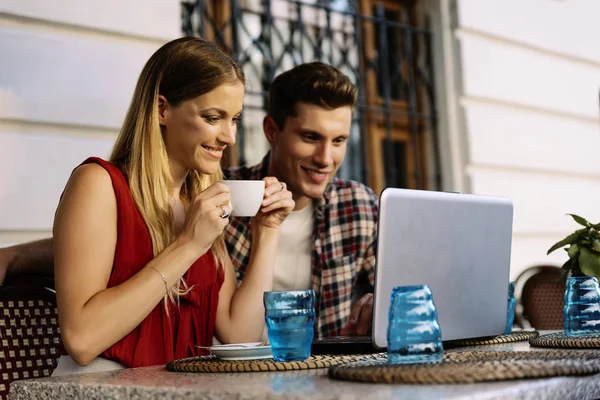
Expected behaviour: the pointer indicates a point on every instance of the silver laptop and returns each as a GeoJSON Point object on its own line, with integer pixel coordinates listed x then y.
{"type": "Point", "coordinates": [459, 245]}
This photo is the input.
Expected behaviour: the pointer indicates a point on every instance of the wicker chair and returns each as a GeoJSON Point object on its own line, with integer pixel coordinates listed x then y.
{"type": "Point", "coordinates": [541, 300]}
{"type": "Point", "coordinates": [29, 331]}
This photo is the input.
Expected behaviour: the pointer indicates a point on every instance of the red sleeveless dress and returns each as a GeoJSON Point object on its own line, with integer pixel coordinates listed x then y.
{"type": "Point", "coordinates": [160, 338]}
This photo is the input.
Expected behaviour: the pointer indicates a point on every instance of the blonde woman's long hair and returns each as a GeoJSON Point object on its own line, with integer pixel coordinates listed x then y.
{"type": "Point", "coordinates": [180, 70]}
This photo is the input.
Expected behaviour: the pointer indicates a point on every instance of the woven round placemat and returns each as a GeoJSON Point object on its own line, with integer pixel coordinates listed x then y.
{"type": "Point", "coordinates": [214, 364]}
{"type": "Point", "coordinates": [473, 366]}
{"type": "Point", "coordinates": [560, 340]}
{"type": "Point", "coordinates": [513, 337]}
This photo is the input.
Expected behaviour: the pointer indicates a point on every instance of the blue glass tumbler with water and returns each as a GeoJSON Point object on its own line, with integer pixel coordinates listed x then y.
{"type": "Point", "coordinates": [414, 334]}
{"type": "Point", "coordinates": [510, 312]}
{"type": "Point", "coordinates": [290, 317]}
{"type": "Point", "coordinates": [582, 307]}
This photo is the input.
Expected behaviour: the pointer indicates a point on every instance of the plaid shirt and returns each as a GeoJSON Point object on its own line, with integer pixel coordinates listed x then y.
{"type": "Point", "coordinates": [343, 251]}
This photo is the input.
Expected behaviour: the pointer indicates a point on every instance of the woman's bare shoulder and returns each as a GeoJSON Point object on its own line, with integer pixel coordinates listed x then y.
{"type": "Point", "coordinates": [92, 178]}
{"type": "Point", "coordinates": [89, 189]}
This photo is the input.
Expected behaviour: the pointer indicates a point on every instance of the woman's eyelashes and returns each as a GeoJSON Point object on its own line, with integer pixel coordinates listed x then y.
{"type": "Point", "coordinates": [213, 119]}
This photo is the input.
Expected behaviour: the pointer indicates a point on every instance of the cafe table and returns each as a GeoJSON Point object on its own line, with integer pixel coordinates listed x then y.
{"type": "Point", "coordinates": [158, 383]}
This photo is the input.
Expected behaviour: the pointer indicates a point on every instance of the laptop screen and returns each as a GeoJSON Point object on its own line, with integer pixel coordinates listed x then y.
{"type": "Point", "coordinates": [459, 245]}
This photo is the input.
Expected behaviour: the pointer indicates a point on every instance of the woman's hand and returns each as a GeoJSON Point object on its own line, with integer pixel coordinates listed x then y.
{"type": "Point", "coordinates": [240, 313]}
{"type": "Point", "coordinates": [276, 205]}
{"type": "Point", "coordinates": [207, 216]}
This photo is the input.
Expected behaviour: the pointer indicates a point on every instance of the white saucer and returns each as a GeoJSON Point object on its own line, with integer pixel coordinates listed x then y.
{"type": "Point", "coordinates": [249, 351]}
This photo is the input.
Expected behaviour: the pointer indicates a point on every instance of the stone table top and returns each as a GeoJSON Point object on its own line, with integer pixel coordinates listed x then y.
{"type": "Point", "coordinates": [157, 383]}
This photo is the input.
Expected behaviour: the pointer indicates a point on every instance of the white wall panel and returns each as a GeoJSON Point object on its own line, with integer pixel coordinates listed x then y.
{"type": "Point", "coordinates": [501, 71]}
{"type": "Point", "coordinates": [66, 79]}
{"type": "Point", "coordinates": [530, 76]}
{"type": "Point", "coordinates": [67, 73]}
{"type": "Point", "coordinates": [521, 138]}
{"type": "Point", "coordinates": [541, 200]}
{"type": "Point", "coordinates": [529, 251]}
{"type": "Point", "coordinates": [568, 27]}
{"type": "Point", "coordinates": [34, 170]}
{"type": "Point", "coordinates": [149, 18]}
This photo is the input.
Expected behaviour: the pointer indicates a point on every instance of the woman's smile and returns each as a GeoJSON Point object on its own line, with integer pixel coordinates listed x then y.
{"type": "Point", "coordinates": [215, 152]}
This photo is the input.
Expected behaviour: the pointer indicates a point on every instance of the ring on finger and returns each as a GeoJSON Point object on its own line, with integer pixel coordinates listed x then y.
{"type": "Point", "coordinates": [282, 186]}
{"type": "Point", "coordinates": [225, 212]}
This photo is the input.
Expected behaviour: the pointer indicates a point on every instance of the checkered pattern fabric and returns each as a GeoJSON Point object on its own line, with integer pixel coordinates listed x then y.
{"type": "Point", "coordinates": [29, 334]}
{"type": "Point", "coordinates": [343, 252]}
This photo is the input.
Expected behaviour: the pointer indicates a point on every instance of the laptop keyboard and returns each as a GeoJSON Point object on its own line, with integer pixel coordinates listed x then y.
{"type": "Point", "coordinates": [344, 345]}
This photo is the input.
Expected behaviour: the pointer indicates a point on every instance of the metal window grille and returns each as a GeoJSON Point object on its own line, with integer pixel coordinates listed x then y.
{"type": "Point", "coordinates": [383, 50]}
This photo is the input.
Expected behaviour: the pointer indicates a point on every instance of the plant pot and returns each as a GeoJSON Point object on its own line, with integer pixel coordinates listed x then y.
{"type": "Point", "coordinates": [582, 307]}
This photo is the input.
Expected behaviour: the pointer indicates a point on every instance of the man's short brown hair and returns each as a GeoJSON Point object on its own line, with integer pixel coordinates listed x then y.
{"type": "Point", "coordinates": [314, 83]}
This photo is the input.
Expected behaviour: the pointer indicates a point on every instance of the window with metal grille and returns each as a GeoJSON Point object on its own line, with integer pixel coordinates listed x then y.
{"type": "Point", "coordinates": [383, 45]}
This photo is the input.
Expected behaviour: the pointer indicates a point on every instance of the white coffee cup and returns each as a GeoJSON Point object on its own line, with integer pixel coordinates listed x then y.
{"type": "Point", "coordinates": [246, 196]}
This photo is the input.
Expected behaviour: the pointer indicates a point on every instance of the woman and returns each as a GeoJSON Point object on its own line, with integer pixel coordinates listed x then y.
{"type": "Point", "coordinates": [147, 226]}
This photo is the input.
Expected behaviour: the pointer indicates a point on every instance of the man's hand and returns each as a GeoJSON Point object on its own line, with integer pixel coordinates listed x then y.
{"type": "Point", "coordinates": [3, 267]}
{"type": "Point", "coordinates": [361, 317]}
{"type": "Point", "coordinates": [32, 258]}
{"type": "Point", "coordinates": [6, 256]}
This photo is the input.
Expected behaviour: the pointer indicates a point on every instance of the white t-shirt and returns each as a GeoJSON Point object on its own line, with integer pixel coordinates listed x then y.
{"type": "Point", "coordinates": [293, 258]}
{"type": "Point", "coordinates": [293, 266]}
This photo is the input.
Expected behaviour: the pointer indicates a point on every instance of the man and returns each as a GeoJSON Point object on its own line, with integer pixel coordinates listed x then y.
{"type": "Point", "coordinates": [328, 243]}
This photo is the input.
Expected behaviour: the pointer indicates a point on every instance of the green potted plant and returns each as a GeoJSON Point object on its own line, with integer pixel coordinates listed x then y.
{"type": "Point", "coordinates": [583, 250]}
{"type": "Point", "coordinates": [582, 294]}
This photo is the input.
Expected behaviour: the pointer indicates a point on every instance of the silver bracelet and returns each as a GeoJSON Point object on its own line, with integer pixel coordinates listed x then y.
{"type": "Point", "coordinates": [164, 280]}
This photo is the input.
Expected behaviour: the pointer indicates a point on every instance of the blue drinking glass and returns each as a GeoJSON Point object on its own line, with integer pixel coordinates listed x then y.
{"type": "Point", "coordinates": [582, 310]}
{"type": "Point", "coordinates": [414, 334]}
{"type": "Point", "coordinates": [290, 317]}
{"type": "Point", "coordinates": [510, 313]}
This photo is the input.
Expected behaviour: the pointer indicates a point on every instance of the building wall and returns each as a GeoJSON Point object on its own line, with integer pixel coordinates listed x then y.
{"type": "Point", "coordinates": [528, 101]}
{"type": "Point", "coordinates": [67, 73]}
{"type": "Point", "coordinates": [524, 75]}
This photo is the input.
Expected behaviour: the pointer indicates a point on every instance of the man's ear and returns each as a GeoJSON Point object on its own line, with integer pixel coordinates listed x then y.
{"type": "Point", "coordinates": [163, 110]}
{"type": "Point", "coordinates": [270, 129]}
